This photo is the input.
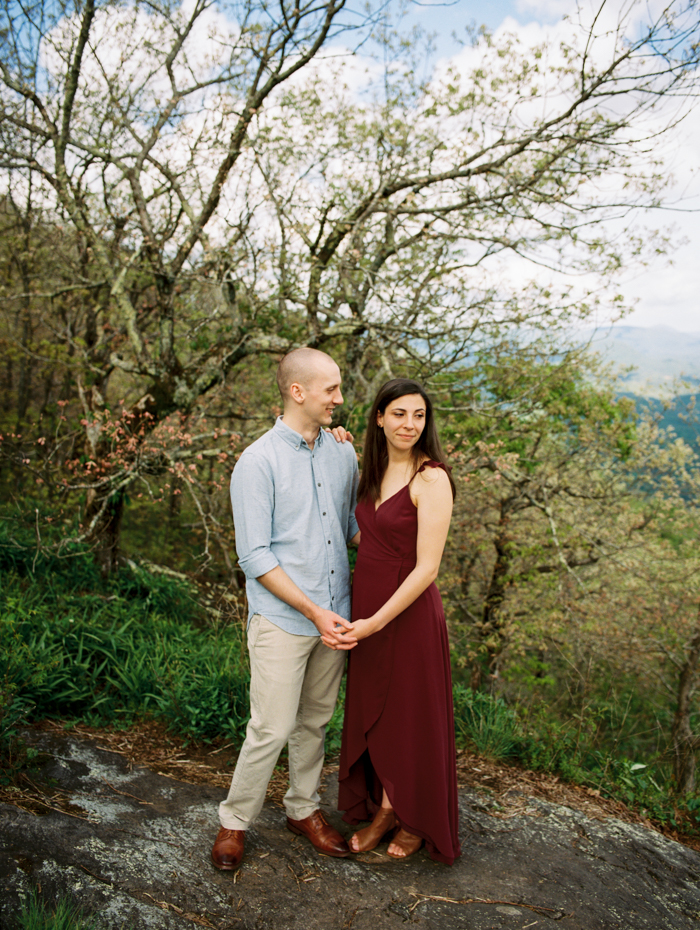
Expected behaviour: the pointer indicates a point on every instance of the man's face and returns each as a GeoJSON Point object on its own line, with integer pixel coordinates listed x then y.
{"type": "Point", "coordinates": [322, 393]}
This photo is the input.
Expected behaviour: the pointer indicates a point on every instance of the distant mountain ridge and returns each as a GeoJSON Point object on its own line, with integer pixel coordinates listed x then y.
{"type": "Point", "coordinates": [661, 356]}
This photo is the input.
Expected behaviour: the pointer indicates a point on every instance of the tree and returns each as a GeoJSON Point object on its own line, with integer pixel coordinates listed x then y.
{"type": "Point", "coordinates": [224, 207]}
{"type": "Point", "coordinates": [548, 484]}
{"type": "Point", "coordinates": [573, 547]}
{"type": "Point", "coordinates": [90, 122]}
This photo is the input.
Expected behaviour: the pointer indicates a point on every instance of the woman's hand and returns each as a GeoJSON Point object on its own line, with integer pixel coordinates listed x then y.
{"type": "Point", "coordinates": [340, 434]}
{"type": "Point", "coordinates": [364, 628]}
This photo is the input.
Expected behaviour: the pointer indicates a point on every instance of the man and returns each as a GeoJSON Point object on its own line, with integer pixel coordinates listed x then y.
{"type": "Point", "coordinates": [293, 494]}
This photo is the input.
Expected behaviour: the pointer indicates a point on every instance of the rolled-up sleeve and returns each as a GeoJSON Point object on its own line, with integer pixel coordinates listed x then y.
{"type": "Point", "coordinates": [253, 501]}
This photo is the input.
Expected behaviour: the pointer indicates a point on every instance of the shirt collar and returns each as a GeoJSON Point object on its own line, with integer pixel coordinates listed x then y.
{"type": "Point", "coordinates": [295, 440]}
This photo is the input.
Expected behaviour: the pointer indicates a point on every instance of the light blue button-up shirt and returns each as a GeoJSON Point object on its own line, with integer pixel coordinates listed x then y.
{"type": "Point", "coordinates": [295, 507]}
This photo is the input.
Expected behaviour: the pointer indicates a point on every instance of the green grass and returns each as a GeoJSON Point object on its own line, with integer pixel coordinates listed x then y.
{"type": "Point", "coordinates": [485, 723]}
{"type": "Point", "coordinates": [75, 647]}
{"type": "Point", "coordinates": [37, 915]}
{"type": "Point", "coordinates": [541, 742]}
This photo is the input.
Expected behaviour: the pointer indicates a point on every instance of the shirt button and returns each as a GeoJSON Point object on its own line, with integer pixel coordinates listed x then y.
{"type": "Point", "coordinates": [329, 542]}
{"type": "Point", "coordinates": [319, 484]}
{"type": "Point", "coordinates": [324, 513]}
{"type": "Point", "coordinates": [332, 571]}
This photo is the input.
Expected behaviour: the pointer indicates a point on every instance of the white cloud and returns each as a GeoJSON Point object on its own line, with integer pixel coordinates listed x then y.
{"type": "Point", "coordinates": [545, 9]}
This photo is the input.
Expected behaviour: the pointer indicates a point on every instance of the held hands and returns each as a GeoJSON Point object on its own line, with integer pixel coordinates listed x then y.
{"type": "Point", "coordinates": [336, 632]}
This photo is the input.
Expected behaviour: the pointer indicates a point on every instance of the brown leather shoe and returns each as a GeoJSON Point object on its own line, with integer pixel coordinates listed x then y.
{"type": "Point", "coordinates": [316, 828]}
{"type": "Point", "coordinates": [227, 851]}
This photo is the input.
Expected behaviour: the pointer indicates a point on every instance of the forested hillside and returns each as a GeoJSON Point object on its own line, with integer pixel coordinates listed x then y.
{"type": "Point", "coordinates": [186, 194]}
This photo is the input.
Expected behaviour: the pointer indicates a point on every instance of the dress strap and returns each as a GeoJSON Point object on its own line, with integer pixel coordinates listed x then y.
{"type": "Point", "coordinates": [429, 464]}
{"type": "Point", "coordinates": [432, 464]}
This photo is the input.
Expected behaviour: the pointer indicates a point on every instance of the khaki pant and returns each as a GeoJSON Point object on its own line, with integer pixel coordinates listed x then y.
{"type": "Point", "coordinates": [294, 683]}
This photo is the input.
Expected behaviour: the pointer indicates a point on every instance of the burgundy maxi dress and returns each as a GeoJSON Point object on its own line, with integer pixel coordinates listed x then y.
{"type": "Point", "coordinates": [398, 729]}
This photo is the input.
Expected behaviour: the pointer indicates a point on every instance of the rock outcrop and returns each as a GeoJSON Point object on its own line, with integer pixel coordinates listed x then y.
{"type": "Point", "coordinates": [133, 853]}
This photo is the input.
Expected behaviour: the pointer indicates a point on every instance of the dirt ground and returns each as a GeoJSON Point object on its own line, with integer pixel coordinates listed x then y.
{"type": "Point", "coordinates": [121, 824]}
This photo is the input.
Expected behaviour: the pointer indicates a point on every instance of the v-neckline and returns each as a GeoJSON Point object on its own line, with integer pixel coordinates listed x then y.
{"type": "Point", "coordinates": [391, 497]}
{"type": "Point", "coordinates": [422, 466]}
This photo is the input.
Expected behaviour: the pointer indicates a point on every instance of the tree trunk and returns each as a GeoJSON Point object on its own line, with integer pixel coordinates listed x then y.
{"type": "Point", "coordinates": [104, 537]}
{"type": "Point", "coordinates": [684, 742]}
{"type": "Point", "coordinates": [491, 630]}
{"type": "Point", "coordinates": [105, 507]}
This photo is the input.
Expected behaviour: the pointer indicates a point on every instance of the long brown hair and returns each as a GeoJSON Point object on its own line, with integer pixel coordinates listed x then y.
{"type": "Point", "coordinates": [376, 456]}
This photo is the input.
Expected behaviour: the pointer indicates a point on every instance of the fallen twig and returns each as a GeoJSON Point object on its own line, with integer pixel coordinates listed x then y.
{"type": "Point", "coordinates": [17, 797]}
{"type": "Point", "coordinates": [126, 793]}
{"type": "Point", "coordinates": [220, 749]}
{"type": "Point", "coordinates": [105, 881]}
{"type": "Point", "coordinates": [167, 906]}
{"type": "Point", "coordinates": [538, 909]}
{"type": "Point", "coordinates": [296, 877]}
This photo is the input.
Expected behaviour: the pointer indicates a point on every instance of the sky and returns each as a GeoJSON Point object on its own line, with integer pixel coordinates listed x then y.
{"type": "Point", "coordinates": [667, 292]}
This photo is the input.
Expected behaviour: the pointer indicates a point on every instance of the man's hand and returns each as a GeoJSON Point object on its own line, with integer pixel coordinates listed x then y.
{"type": "Point", "coordinates": [336, 632]}
{"type": "Point", "coordinates": [340, 434]}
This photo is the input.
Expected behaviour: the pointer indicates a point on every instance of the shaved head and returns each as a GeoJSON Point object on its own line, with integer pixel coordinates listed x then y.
{"type": "Point", "coordinates": [301, 366]}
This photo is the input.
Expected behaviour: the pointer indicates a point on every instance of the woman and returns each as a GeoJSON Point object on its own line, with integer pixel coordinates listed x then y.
{"type": "Point", "coordinates": [398, 755]}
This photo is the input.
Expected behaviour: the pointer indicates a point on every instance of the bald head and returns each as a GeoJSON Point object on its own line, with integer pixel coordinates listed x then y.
{"type": "Point", "coordinates": [301, 366]}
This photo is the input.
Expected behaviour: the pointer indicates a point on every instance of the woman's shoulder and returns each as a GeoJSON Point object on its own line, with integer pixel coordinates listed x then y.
{"type": "Point", "coordinates": [432, 474]}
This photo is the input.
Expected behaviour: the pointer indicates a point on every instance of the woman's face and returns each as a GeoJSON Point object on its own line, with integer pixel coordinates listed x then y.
{"type": "Point", "coordinates": [403, 421]}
